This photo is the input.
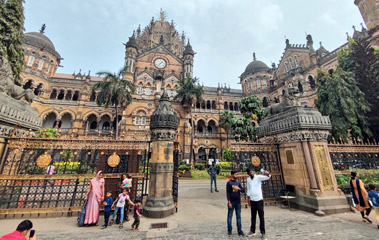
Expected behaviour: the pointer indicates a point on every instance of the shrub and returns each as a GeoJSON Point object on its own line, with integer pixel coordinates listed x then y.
{"type": "Point", "coordinates": [199, 166]}
{"type": "Point", "coordinates": [184, 167]}
{"type": "Point", "coordinates": [47, 133]}
{"type": "Point", "coordinates": [226, 165]}
{"type": "Point", "coordinates": [227, 154]}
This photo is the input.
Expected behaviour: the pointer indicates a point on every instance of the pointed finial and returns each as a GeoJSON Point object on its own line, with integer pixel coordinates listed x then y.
{"type": "Point", "coordinates": [254, 58]}
{"type": "Point", "coordinates": [347, 35]}
{"type": "Point", "coordinates": [188, 42]}
{"type": "Point", "coordinates": [354, 27]}
{"type": "Point", "coordinates": [43, 27]}
{"type": "Point", "coordinates": [162, 15]}
{"type": "Point", "coordinates": [363, 28]}
{"type": "Point", "coordinates": [139, 29]}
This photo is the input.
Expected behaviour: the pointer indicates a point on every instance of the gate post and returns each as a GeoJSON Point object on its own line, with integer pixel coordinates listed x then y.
{"type": "Point", "coordinates": [163, 126]}
{"type": "Point", "coordinates": [301, 134]}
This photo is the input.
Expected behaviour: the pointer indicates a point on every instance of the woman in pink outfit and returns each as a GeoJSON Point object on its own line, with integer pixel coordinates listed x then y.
{"type": "Point", "coordinates": [95, 196]}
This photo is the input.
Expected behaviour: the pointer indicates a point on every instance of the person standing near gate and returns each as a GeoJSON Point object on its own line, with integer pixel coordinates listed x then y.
{"type": "Point", "coordinates": [233, 189]}
{"type": "Point", "coordinates": [49, 171]}
{"type": "Point", "coordinates": [255, 200]}
{"type": "Point", "coordinates": [212, 171]}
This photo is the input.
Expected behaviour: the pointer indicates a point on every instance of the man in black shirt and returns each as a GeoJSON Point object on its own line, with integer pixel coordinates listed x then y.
{"type": "Point", "coordinates": [233, 189]}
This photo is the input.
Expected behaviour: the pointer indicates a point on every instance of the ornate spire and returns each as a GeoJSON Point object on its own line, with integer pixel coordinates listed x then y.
{"type": "Point", "coordinates": [43, 27]}
{"type": "Point", "coordinates": [162, 15]}
{"type": "Point", "coordinates": [188, 49]}
{"type": "Point", "coordinates": [254, 58]}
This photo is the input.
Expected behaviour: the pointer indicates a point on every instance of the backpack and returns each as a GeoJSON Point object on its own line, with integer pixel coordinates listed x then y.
{"type": "Point", "coordinates": [82, 214]}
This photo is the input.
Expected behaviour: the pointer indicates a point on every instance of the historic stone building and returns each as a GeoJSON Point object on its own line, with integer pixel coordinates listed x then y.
{"type": "Point", "coordinates": [157, 57]}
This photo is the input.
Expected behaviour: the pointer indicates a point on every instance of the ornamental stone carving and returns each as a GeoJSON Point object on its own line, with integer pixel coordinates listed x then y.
{"type": "Point", "coordinates": [163, 121]}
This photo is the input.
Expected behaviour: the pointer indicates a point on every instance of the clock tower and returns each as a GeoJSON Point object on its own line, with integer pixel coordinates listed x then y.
{"type": "Point", "coordinates": [156, 58]}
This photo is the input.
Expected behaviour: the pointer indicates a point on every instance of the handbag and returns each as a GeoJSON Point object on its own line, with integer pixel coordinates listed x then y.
{"type": "Point", "coordinates": [82, 215]}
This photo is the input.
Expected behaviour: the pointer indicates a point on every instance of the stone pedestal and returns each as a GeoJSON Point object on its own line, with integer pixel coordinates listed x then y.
{"type": "Point", "coordinates": [301, 134]}
{"type": "Point", "coordinates": [163, 126]}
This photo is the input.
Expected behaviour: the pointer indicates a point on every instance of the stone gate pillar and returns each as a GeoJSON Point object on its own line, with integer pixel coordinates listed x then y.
{"type": "Point", "coordinates": [301, 134]}
{"type": "Point", "coordinates": [163, 127]}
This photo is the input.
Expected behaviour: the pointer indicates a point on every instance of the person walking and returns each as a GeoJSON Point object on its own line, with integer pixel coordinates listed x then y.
{"type": "Point", "coordinates": [374, 197]}
{"type": "Point", "coordinates": [255, 200]}
{"type": "Point", "coordinates": [212, 171]}
{"type": "Point", "coordinates": [94, 197]}
{"type": "Point", "coordinates": [137, 215]}
{"type": "Point", "coordinates": [233, 190]}
{"type": "Point", "coordinates": [120, 204]}
{"type": "Point", "coordinates": [360, 196]}
{"type": "Point", "coordinates": [107, 209]}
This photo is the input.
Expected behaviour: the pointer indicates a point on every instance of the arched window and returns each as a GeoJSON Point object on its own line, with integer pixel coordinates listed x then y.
{"type": "Point", "coordinates": [265, 102]}
{"type": "Point", "coordinates": [39, 89]}
{"type": "Point", "coordinates": [208, 104]}
{"type": "Point", "coordinates": [312, 82]}
{"type": "Point", "coordinates": [61, 95]}
{"type": "Point", "coordinates": [40, 64]}
{"type": "Point", "coordinates": [258, 83]}
{"type": "Point", "coordinates": [53, 94]}
{"type": "Point", "coordinates": [203, 104]}
{"type": "Point", "coordinates": [93, 125]}
{"type": "Point", "coordinates": [106, 126]}
{"type": "Point", "coordinates": [68, 95]}
{"type": "Point", "coordinates": [93, 97]}
{"type": "Point", "coordinates": [140, 89]}
{"type": "Point", "coordinates": [201, 126]}
{"type": "Point", "coordinates": [76, 96]}
{"type": "Point", "coordinates": [28, 84]}
{"type": "Point", "coordinates": [225, 105]}
{"type": "Point", "coordinates": [143, 120]}
{"type": "Point", "coordinates": [197, 104]}
{"type": "Point", "coordinates": [30, 61]}
{"type": "Point", "coordinates": [296, 61]}
{"type": "Point", "coordinates": [291, 63]}
{"type": "Point", "coordinates": [231, 106]}
{"type": "Point", "coordinates": [140, 118]}
{"type": "Point", "coordinates": [213, 104]}
{"type": "Point", "coordinates": [235, 106]}
{"type": "Point", "coordinates": [286, 66]}
{"type": "Point", "coordinates": [300, 86]}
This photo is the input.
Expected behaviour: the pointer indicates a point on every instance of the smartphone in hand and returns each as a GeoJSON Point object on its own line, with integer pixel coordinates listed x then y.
{"type": "Point", "coordinates": [32, 232]}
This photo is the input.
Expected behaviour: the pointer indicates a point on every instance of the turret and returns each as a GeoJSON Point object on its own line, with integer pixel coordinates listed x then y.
{"type": "Point", "coordinates": [131, 50]}
{"type": "Point", "coordinates": [188, 55]}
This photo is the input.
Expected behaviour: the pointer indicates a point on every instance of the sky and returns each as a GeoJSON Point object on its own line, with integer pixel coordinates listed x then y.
{"type": "Point", "coordinates": [89, 34]}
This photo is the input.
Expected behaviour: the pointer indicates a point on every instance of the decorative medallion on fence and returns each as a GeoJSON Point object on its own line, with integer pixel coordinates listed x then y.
{"type": "Point", "coordinates": [255, 161]}
{"type": "Point", "coordinates": [113, 160]}
{"type": "Point", "coordinates": [44, 160]}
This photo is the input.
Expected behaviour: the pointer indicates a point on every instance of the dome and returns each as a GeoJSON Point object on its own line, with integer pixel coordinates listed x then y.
{"type": "Point", "coordinates": [254, 67]}
{"type": "Point", "coordinates": [39, 40]}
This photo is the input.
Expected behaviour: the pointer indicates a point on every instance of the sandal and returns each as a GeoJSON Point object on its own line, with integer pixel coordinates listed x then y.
{"type": "Point", "coordinates": [111, 222]}
{"type": "Point", "coordinates": [121, 226]}
{"type": "Point", "coordinates": [368, 220]}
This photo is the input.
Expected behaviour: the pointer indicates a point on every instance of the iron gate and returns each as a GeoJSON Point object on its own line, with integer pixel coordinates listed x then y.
{"type": "Point", "coordinates": [256, 156]}
{"type": "Point", "coordinates": [25, 186]}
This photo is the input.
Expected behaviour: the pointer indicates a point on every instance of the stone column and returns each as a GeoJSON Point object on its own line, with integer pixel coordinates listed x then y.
{"type": "Point", "coordinates": [163, 127]}
{"type": "Point", "coordinates": [301, 134]}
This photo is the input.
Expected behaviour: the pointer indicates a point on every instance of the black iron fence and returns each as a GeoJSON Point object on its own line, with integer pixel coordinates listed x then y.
{"type": "Point", "coordinates": [53, 175]}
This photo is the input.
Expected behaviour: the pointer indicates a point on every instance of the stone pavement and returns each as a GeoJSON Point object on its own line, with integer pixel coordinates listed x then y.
{"type": "Point", "coordinates": [202, 215]}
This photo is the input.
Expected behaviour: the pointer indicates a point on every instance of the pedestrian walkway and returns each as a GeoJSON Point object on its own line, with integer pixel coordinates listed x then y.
{"type": "Point", "coordinates": [202, 215]}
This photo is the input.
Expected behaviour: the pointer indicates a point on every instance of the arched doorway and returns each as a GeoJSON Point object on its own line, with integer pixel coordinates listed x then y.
{"type": "Point", "coordinates": [66, 122]}
{"type": "Point", "coordinates": [49, 120]}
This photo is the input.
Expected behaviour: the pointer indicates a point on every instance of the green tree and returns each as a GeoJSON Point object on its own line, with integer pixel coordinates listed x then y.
{"type": "Point", "coordinates": [188, 93]}
{"type": "Point", "coordinates": [227, 154]}
{"type": "Point", "coordinates": [11, 34]}
{"type": "Point", "coordinates": [243, 129]}
{"type": "Point", "coordinates": [363, 61]}
{"type": "Point", "coordinates": [251, 108]}
{"type": "Point", "coordinates": [226, 120]}
{"type": "Point", "coordinates": [114, 91]}
{"type": "Point", "coordinates": [340, 98]}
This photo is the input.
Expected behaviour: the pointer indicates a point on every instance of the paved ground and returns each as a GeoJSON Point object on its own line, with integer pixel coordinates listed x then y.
{"type": "Point", "coordinates": [202, 215]}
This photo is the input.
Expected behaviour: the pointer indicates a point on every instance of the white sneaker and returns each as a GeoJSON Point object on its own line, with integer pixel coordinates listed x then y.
{"type": "Point", "coordinates": [251, 234]}
{"type": "Point", "coordinates": [264, 237]}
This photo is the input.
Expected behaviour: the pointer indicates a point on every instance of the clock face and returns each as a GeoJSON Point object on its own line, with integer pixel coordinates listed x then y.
{"type": "Point", "coordinates": [160, 63]}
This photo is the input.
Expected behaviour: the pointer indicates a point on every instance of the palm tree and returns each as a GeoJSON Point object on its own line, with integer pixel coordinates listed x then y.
{"type": "Point", "coordinates": [188, 93]}
{"type": "Point", "coordinates": [114, 91]}
{"type": "Point", "coordinates": [226, 123]}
